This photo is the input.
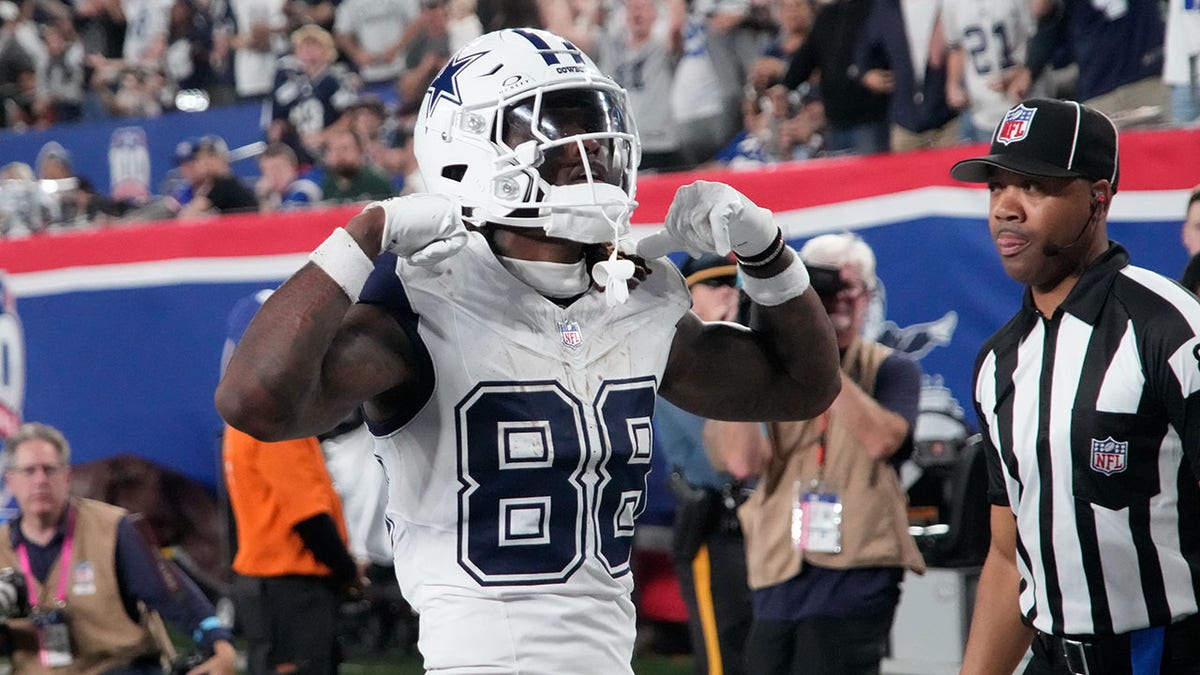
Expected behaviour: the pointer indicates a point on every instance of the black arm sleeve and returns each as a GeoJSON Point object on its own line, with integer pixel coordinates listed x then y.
{"type": "Point", "coordinates": [801, 66]}
{"type": "Point", "coordinates": [320, 535]}
{"type": "Point", "coordinates": [1051, 32]}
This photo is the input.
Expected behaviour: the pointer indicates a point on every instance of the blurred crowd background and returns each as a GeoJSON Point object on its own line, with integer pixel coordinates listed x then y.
{"type": "Point", "coordinates": [736, 83]}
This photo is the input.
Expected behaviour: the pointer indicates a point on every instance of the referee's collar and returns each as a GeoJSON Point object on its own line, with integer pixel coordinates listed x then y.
{"type": "Point", "coordinates": [1086, 300]}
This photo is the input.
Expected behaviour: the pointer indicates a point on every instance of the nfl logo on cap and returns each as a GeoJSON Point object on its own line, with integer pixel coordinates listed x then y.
{"type": "Point", "coordinates": [1015, 125]}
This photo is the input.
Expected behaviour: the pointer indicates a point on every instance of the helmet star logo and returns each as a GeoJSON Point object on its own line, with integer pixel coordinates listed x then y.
{"type": "Point", "coordinates": [445, 85]}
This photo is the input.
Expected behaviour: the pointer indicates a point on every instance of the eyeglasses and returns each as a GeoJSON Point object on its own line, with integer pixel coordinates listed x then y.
{"type": "Point", "coordinates": [851, 290]}
{"type": "Point", "coordinates": [51, 470]}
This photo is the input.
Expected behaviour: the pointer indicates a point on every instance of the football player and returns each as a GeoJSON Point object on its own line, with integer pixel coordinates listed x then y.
{"type": "Point", "coordinates": [507, 352]}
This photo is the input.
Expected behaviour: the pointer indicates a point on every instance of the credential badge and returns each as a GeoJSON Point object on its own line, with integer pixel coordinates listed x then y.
{"type": "Point", "coordinates": [84, 578]}
{"type": "Point", "coordinates": [571, 335]}
{"type": "Point", "coordinates": [1109, 456]}
{"type": "Point", "coordinates": [1015, 125]}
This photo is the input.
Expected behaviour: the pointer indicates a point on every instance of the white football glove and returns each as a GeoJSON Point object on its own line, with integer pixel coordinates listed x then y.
{"type": "Point", "coordinates": [712, 217]}
{"type": "Point", "coordinates": [423, 228]}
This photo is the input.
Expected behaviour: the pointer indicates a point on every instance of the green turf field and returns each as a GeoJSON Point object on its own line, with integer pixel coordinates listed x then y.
{"type": "Point", "coordinates": [411, 665]}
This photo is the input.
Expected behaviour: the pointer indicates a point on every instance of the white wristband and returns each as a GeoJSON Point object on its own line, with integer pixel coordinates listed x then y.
{"type": "Point", "coordinates": [776, 290]}
{"type": "Point", "coordinates": [343, 260]}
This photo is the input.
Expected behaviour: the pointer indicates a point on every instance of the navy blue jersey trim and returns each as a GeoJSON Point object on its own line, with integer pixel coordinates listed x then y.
{"type": "Point", "coordinates": [384, 289]}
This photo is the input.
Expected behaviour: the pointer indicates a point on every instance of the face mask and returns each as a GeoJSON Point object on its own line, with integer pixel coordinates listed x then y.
{"type": "Point", "coordinates": [553, 280]}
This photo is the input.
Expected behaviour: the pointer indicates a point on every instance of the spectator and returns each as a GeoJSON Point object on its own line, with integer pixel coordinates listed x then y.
{"type": "Point", "coordinates": [399, 161]}
{"type": "Point", "coordinates": [498, 14]}
{"type": "Point", "coordinates": [73, 201]}
{"type": "Point", "coordinates": [985, 39]}
{"type": "Point", "coordinates": [902, 54]}
{"type": "Point", "coordinates": [63, 200]}
{"type": "Point", "coordinates": [1127, 83]}
{"type": "Point", "coordinates": [100, 25]}
{"type": "Point", "coordinates": [97, 584]}
{"type": "Point", "coordinates": [374, 34]}
{"type": "Point", "coordinates": [736, 33]}
{"type": "Point", "coordinates": [366, 117]}
{"type": "Point", "coordinates": [60, 76]}
{"type": "Point", "coordinates": [223, 89]}
{"type": "Point", "coordinates": [18, 75]}
{"type": "Point", "coordinates": [280, 188]}
{"type": "Point", "coordinates": [464, 24]}
{"type": "Point", "coordinates": [146, 26]}
{"type": "Point", "coordinates": [704, 108]}
{"type": "Point", "coordinates": [857, 117]}
{"type": "Point", "coordinates": [644, 64]}
{"type": "Point", "coordinates": [706, 539]}
{"type": "Point", "coordinates": [1181, 65]}
{"type": "Point", "coordinates": [20, 104]}
{"type": "Point", "coordinates": [128, 92]}
{"type": "Point", "coordinates": [795, 18]}
{"type": "Point", "coordinates": [188, 61]}
{"type": "Point", "coordinates": [311, 93]}
{"type": "Point", "coordinates": [1190, 232]}
{"type": "Point", "coordinates": [826, 588]}
{"type": "Point", "coordinates": [259, 42]}
{"type": "Point", "coordinates": [22, 202]}
{"type": "Point", "coordinates": [348, 176]}
{"type": "Point", "coordinates": [303, 12]}
{"type": "Point", "coordinates": [428, 49]}
{"type": "Point", "coordinates": [211, 186]}
{"type": "Point", "coordinates": [292, 561]}
{"type": "Point", "coordinates": [779, 125]}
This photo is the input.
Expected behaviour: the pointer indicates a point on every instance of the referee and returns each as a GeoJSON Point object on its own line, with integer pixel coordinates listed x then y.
{"type": "Point", "coordinates": [1087, 401]}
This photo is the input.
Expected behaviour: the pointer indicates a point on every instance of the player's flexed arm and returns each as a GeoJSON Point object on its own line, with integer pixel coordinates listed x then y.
{"type": "Point", "coordinates": [311, 355]}
{"type": "Point", "coordinates": [785, 366]}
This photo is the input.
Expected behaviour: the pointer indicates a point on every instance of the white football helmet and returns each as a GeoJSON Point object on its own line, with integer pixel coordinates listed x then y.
{"type": "Point", "coordinates": [506, 124]}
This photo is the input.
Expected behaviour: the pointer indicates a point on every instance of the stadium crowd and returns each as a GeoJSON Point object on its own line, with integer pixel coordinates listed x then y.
{"type": "Point", "coordinates": [748, 82]}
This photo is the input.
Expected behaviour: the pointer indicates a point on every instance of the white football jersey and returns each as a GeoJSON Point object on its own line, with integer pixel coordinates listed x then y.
{"type": "Point", "coordinates": [992, 35]}
{"type": "Point", "coordinates": [514, 490]}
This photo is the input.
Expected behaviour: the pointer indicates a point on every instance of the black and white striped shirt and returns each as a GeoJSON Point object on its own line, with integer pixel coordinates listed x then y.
{"type": "Point", "coordinates": [1089, 415]}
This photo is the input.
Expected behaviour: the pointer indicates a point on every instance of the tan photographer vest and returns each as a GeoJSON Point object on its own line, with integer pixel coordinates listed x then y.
{"type": "Point", "coordinates": [875, 506]}
{"type": "Point", "coordinates": [102, 634]}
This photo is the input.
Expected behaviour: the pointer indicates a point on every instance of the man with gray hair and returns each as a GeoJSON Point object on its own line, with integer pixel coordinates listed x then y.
{"type": "Point", "coordinates": [826, 589]}
{"type": "Point", "coordinates": [89, 572]}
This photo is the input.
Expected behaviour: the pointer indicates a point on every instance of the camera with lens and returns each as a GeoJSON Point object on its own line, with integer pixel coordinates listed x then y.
{"type": "Point", "coordinates": [14, 597]}
{"type": "Point", "coordinates": [826, 280]}
{"type": "Point", "coordinates": [184, 663]}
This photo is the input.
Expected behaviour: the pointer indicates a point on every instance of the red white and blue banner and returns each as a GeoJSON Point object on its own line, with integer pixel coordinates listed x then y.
{"type": "Point", "coordinates": [124, 325]}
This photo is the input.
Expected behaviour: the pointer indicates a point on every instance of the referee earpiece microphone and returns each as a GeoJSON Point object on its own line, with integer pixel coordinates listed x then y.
{"type": "Point", "coordinates": [1051, 250]}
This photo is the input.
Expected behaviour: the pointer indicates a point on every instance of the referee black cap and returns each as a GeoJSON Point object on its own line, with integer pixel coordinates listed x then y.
{"type": "Point", "coordinates": [1049, 138]}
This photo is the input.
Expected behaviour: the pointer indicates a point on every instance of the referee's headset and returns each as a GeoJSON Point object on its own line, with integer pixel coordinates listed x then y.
{"type": "Point", "coordinates": [1051, 250]}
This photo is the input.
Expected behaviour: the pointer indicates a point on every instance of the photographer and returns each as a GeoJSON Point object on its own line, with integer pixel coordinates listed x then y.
{"type": "Point", "coordinates": [826, 528]}
{"type": "Point", "coordinates": [94, 584]}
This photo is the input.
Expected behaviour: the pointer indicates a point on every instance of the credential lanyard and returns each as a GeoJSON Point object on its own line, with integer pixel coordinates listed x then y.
{"type": "Point", "coordinates": [821, 443]}
{"type": "Point", "coordinates": [64, 564]}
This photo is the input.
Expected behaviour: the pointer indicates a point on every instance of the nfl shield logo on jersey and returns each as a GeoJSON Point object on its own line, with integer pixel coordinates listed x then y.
{"type": "Point", "coordinates": [1108, 456]}
{"type": "Point", "coordinates": [571, 335]}
{"type": "Point", "coordinates": [1015, 125]}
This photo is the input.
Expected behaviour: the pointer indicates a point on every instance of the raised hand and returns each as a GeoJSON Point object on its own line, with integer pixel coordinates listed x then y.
{"type": "Point", "coordinates": [423, 228]}
{"type": "Point", "coordinates": [712, 217]}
